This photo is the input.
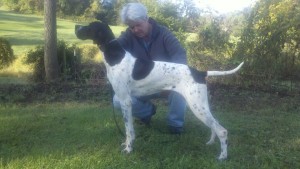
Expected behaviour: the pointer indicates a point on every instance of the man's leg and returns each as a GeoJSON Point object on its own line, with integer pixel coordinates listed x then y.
{"type": "Point", "coordinates": [177, 108]}
{"type": "Point", "coordinates": [142, 108]}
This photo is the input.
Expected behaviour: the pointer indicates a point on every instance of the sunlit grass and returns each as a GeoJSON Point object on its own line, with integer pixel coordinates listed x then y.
{"type": "Point", "coordinates": [17, 73]}
{"type": "Point", "coordinates": [25, 32]}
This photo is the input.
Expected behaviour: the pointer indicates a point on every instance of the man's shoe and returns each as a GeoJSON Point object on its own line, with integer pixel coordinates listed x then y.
{"type": "Point", "coordinates": [175, 130]}
{"type": "Point", "coordinates": [146, 120]}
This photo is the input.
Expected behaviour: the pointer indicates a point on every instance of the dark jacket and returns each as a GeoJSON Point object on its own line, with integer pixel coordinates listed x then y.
{"type": "Point", "coordinates": [163, 46]}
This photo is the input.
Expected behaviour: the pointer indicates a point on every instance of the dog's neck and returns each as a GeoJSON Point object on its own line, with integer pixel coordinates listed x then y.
{"type": "Point", "coordinates": [103, 43]}
{"type": "Point", "coordinates": [113, 52]}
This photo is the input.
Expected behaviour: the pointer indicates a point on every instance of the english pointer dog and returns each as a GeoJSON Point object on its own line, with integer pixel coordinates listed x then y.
{"type": "Point", "coordinates": [131, 76]}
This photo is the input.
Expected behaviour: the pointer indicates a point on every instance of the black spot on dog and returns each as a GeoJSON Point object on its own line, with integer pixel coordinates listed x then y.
{"type": "Point", "coordinates": [142, 69]}
{"type": "Point", "coordinates": [114, 53]}
{"type": "Point", "coordinates": [102, 35]}
{"type": "Point", "coordinates": [198, 76]}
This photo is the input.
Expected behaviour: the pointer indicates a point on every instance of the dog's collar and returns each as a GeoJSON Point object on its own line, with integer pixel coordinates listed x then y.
{"type": "Point", "coordinates": [102, 47]}
{"type": "Point", "coordinates": [111, 41]}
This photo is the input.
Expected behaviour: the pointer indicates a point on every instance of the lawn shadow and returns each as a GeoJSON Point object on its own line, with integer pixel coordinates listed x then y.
{"type": "Point", "coordinates": [5, 15]}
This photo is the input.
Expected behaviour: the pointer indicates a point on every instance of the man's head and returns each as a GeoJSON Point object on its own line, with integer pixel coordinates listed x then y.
{"type": "Point", "coordinates": [135, 16]}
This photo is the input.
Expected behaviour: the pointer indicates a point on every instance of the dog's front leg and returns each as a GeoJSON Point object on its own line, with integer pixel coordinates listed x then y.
{"type": "Point", "coordinates": [128, 120]}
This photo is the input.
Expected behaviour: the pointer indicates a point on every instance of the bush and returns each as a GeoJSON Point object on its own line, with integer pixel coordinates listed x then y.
{"type": "Point", "coordinates": [6, 53]}
{"type": "Point", "coordinates": [89, 53]}
{"type": "Point", "coordinates": [68, 63]}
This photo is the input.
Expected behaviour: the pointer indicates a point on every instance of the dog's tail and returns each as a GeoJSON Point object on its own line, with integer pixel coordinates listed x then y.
{"type": "Point", "coordinates": [222, 73]}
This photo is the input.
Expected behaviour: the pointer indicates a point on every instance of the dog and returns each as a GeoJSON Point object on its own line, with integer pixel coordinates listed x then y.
{"type": "Point", "coordinates": [130, 76]}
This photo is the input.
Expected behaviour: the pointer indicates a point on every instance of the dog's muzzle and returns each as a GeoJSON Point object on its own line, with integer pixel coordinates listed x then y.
{"type": "Point", "coordinates": [79, 32]}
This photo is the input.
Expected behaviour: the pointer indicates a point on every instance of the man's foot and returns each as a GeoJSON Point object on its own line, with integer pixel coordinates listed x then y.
{"type": "Point", "coordinates": [175, 130]}
{"type": "Point", "coordinates": [146, 120]}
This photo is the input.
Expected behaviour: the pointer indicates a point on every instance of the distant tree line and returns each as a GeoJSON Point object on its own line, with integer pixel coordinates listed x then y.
{"type": "Point", "coordinates": [181, 15]}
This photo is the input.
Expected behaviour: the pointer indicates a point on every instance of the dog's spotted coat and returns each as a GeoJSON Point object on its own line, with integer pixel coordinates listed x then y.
{"type": "Point", "coordinates": [130, 76]}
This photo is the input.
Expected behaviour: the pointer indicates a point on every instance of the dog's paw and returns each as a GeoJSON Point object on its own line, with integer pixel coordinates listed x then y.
{"type": "Point", "coordinates": [127, 150]}
{"type": "Point", "coordinates": [222, 157]}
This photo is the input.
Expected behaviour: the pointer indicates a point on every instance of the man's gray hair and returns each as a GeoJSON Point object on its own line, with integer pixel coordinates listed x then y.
{"type": "Point", "coordinates": [133, 12]}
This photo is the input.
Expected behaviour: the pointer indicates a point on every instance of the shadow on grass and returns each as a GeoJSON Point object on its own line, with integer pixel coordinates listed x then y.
{"type": "Point", "coordinates": [4, 15]}
{"type": "Point", "coordinates": [22, 41]}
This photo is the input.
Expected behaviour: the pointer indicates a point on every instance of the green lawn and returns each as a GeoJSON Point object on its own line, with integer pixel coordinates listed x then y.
{"type": "Point", "coordinates": [264, 132]}
{"type": "Point", "coordinates": [27, 31]}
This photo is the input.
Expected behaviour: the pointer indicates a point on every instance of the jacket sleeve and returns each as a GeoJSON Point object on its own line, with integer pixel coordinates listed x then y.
{"type": "Point", "coordinates": [175, 51]}
{"type": "Point", "coordinates": [123, 39]}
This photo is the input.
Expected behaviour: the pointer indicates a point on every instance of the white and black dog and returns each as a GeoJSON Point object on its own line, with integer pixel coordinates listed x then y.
{"type": "Point", "coordinates": [130, 76]}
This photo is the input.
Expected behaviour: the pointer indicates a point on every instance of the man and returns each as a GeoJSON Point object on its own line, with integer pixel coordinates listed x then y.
{"type": "Point", "coordinates": [146, 39]}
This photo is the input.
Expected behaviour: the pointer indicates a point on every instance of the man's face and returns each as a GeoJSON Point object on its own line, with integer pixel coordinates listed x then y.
{"type": "Point", "coordinates": [139, 28]}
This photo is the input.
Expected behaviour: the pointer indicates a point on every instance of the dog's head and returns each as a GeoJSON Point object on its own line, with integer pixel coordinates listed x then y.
{"type": "Point", "coordinates": [99, 32]}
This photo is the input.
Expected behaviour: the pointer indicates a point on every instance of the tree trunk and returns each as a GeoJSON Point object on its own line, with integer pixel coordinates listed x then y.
{"type": "Point", "coordinates": [50, 55]}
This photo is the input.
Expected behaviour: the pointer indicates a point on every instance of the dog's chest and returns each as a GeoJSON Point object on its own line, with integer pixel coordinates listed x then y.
{"type": "Point", "coordinates": [120, 74]}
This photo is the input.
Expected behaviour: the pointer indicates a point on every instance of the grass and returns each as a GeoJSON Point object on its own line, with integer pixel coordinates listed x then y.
{"type": "Point", "coordinates": [25, 32]}
{"type": "Point", "coordinates": [263, 133]}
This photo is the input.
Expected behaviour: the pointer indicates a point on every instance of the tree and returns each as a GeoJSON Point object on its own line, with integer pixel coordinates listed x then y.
{"type": "Point", "coordinates": [214, 39]}
{"type": "Point", "coordinates": [270, 41]}
{"type": "Point", "coordinates": [50, 56]}
{"type": "Point", "coordinates": [6, 53]}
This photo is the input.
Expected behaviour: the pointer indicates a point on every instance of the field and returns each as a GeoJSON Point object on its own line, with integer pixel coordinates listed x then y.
{"type": "Point", "coordinates": [71, 125]}
{"type": "Point", "coordinates": [25, 32]}
{"type": "Point", "coordinates": [74, 128]}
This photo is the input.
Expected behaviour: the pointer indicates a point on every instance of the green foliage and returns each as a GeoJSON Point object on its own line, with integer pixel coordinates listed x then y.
{"type": "Point", "coordinates": [6, 53]}
{"type": "Point", "coordinates": [72, 7]}
{"type": "Point", "coordinates": [25, 6]}
{"type": "Point", "coordinates": [173, 15]}
{"type": "Point", "coordinates": [35, 57]}
{"type": "Point", "coordinates": [68, 63]}
{"type": "Point", "coordinates": [181, 36]}
{"type": "Point", "coordinates": [168, 15]}
{"type": "Point", "coordinates": [92, 69]}
{"type": "Point", "coordinates": [270, 41]}
{"type": "Point", "coordinates": [214, 38]}
{"type": "Point", "coordinates": [212, 48]}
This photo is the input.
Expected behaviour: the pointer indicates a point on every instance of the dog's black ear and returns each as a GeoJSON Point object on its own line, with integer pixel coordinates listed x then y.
{"type": "Point", "coordinates": [101, 17]}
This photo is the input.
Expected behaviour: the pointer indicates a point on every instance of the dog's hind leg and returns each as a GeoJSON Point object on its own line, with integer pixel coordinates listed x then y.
{"type": "Point", "coordinates": [196, 97]}
{"type": "Point", "coordinates": [128, 120]}
{"type": "Point", "coordinates": [212, 137]}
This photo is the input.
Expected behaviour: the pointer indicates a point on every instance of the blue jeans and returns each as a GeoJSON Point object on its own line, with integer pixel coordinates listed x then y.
{"type": "Point", "coordinates": [142, 107]}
